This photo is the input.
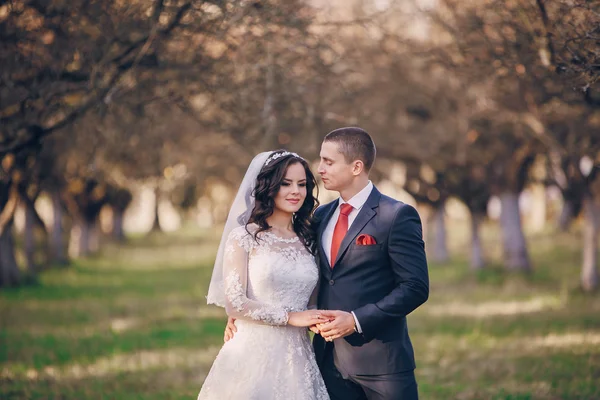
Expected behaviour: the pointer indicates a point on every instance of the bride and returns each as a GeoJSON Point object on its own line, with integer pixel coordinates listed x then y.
{"type": "Point", "coordinates": [265, 276]}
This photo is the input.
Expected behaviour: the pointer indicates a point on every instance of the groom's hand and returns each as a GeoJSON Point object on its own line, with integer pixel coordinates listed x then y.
{"type": "Point", "coordinates": [342, 325]}
{"type": "Point", "coordinates": [316, 329]}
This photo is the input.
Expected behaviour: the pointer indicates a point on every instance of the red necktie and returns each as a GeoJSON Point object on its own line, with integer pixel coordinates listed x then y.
{"type": "Point", "coordinates": [341, 227]}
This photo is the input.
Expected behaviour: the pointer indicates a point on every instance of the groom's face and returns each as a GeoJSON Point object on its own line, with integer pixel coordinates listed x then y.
{"type": "Point", "coordinates": [335, 172]}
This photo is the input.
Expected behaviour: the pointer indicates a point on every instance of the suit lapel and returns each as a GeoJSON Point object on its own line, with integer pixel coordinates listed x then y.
{"type": "Point", "coordinates": [367, 212]}
{"type": "Point", "coordinates": [322, 225]}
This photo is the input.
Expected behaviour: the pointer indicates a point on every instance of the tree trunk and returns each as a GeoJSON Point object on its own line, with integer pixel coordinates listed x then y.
{"type": "Point", "coordinates": [516, 256]}
{"type": "Point", "coordinates": [566, 215]}
{"type": "Point", "coordinates": [80, 245]}
{"type": "Point", "coordinates": [117, 227]}
{"type": "Point", "coordinates": [57, 247]}
{"type": "Point", "coordinates": [29, 239]}
{"type": "Point", "coordinates": [94, 237]}
{"type": "Point", "coordinates": [537, 215]}
{"type": "Point", "coordinates": [9, 269]}
{"type": "Point", "coordinates": [477, 261]}
{"type": "Point", "coordinates": [589, 270]}
{"type": "Point", "coordinates": [440, 249]}
{"type": "Point", "coordinates": [33, 225]}
{"type": "Point", "coordinates": [426, 218]}
{"type": "Point", "coordinates": [119, 201]}
{"type": "Point", "coordinates": [156, 223]}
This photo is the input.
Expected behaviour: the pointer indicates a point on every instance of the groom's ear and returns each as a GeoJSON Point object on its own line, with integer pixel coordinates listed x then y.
{"type": "Point", "coordinates": [357, 167]}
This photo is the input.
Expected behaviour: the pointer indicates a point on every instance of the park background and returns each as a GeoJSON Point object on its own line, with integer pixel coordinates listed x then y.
{"type": "Point", "coordinates": [127, 125]}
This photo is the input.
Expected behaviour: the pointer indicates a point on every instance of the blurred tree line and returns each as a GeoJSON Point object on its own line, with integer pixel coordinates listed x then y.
{"type": "Point", "coordinates": [474, 99]}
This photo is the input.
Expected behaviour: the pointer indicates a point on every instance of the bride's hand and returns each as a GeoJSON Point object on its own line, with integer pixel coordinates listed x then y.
{"type": "Point", "coordinates": [306, 318]}
{"type": "Point", "coordinates": [230, 329]}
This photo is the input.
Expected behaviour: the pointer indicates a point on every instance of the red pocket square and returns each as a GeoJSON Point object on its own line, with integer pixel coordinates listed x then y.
{"type": "Point", "coordinates": [365, 240]}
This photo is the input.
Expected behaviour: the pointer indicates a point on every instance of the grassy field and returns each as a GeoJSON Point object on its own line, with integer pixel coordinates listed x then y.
{"type": "Point", "coordinates": [133, 324]}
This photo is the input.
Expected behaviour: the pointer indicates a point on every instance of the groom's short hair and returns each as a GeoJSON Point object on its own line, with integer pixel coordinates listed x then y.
{"type": "Point", "coordinates": [355, 144]}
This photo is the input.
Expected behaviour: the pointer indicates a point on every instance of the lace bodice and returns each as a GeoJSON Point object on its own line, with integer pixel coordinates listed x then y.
{"type": "Point", "coordinates": [267, 277]}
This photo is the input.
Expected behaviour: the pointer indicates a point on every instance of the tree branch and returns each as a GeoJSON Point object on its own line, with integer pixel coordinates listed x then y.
{"type": "Point", "coordinates": [549, 42]}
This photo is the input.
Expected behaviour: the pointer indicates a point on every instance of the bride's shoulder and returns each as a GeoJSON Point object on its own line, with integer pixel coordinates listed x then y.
{"type": "Point", "coordinates": [251, 227]}
{"type": "Point", "coordinates": [240, 232]}
{"type": "Point", "coordinates": [243, 236]}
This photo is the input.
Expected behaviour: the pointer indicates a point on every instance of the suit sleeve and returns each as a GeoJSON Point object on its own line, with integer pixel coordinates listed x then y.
{"type": "Point", "coordinates": [409, 264]}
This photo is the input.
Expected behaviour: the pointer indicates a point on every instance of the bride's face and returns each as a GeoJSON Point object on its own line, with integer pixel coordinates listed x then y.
{"type": "Point", "coordinates": [292, 191]}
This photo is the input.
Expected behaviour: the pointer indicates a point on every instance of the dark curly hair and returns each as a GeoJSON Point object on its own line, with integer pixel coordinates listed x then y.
{"type": "Point", "coordinates": [267, 186]}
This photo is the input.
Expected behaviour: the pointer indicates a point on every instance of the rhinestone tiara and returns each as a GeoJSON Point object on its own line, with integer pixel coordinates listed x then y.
{"type": "Point", "coordinates": [275, 156]}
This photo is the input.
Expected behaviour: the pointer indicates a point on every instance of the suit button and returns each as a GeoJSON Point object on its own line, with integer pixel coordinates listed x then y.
{"type": "Point", "coordinates": [331, 282]}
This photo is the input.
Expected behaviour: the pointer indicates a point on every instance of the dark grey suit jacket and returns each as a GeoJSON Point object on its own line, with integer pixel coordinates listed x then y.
{"type": "Point", "coordinates": [381, 283]}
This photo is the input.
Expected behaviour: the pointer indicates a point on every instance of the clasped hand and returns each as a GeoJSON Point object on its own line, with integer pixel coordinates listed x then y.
{"type": "Point", "coordinates": [331, 324]}
{"type": "Point", "coordinates": [339, 325]}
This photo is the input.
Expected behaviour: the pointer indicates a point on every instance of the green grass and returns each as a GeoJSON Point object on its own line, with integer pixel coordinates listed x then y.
{"type": "Point", "coordinates": [132, 323]}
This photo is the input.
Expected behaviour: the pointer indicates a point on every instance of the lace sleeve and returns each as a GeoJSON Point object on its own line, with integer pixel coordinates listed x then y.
{"type": "Point", "coordinates": [235, 270]}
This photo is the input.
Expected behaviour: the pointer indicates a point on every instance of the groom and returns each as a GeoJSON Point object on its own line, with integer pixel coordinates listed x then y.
{"type": "Point", "coordinates": [373, 268]}
{"type": "Point", "coordinates": [373, 274]}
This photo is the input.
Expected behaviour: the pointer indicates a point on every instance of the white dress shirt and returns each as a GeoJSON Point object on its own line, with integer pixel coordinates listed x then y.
{"type": "Point", "coordinates": [357, 202]}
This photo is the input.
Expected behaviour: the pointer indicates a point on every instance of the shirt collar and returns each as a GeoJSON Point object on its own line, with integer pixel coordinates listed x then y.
{"type": "Point", "coordinates": [360, 198]}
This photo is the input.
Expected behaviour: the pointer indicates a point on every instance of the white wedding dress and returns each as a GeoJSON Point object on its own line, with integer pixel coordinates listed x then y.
{"type": "Point", "coordinates": [266, 359]}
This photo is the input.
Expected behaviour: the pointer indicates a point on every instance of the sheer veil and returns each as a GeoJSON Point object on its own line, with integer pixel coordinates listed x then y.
{"type": "Point", "coordinates": [239, 213]}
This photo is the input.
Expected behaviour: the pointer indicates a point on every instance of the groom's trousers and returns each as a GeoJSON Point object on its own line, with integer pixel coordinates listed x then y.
{"type": "Point", "coordinates": [399, 386]}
